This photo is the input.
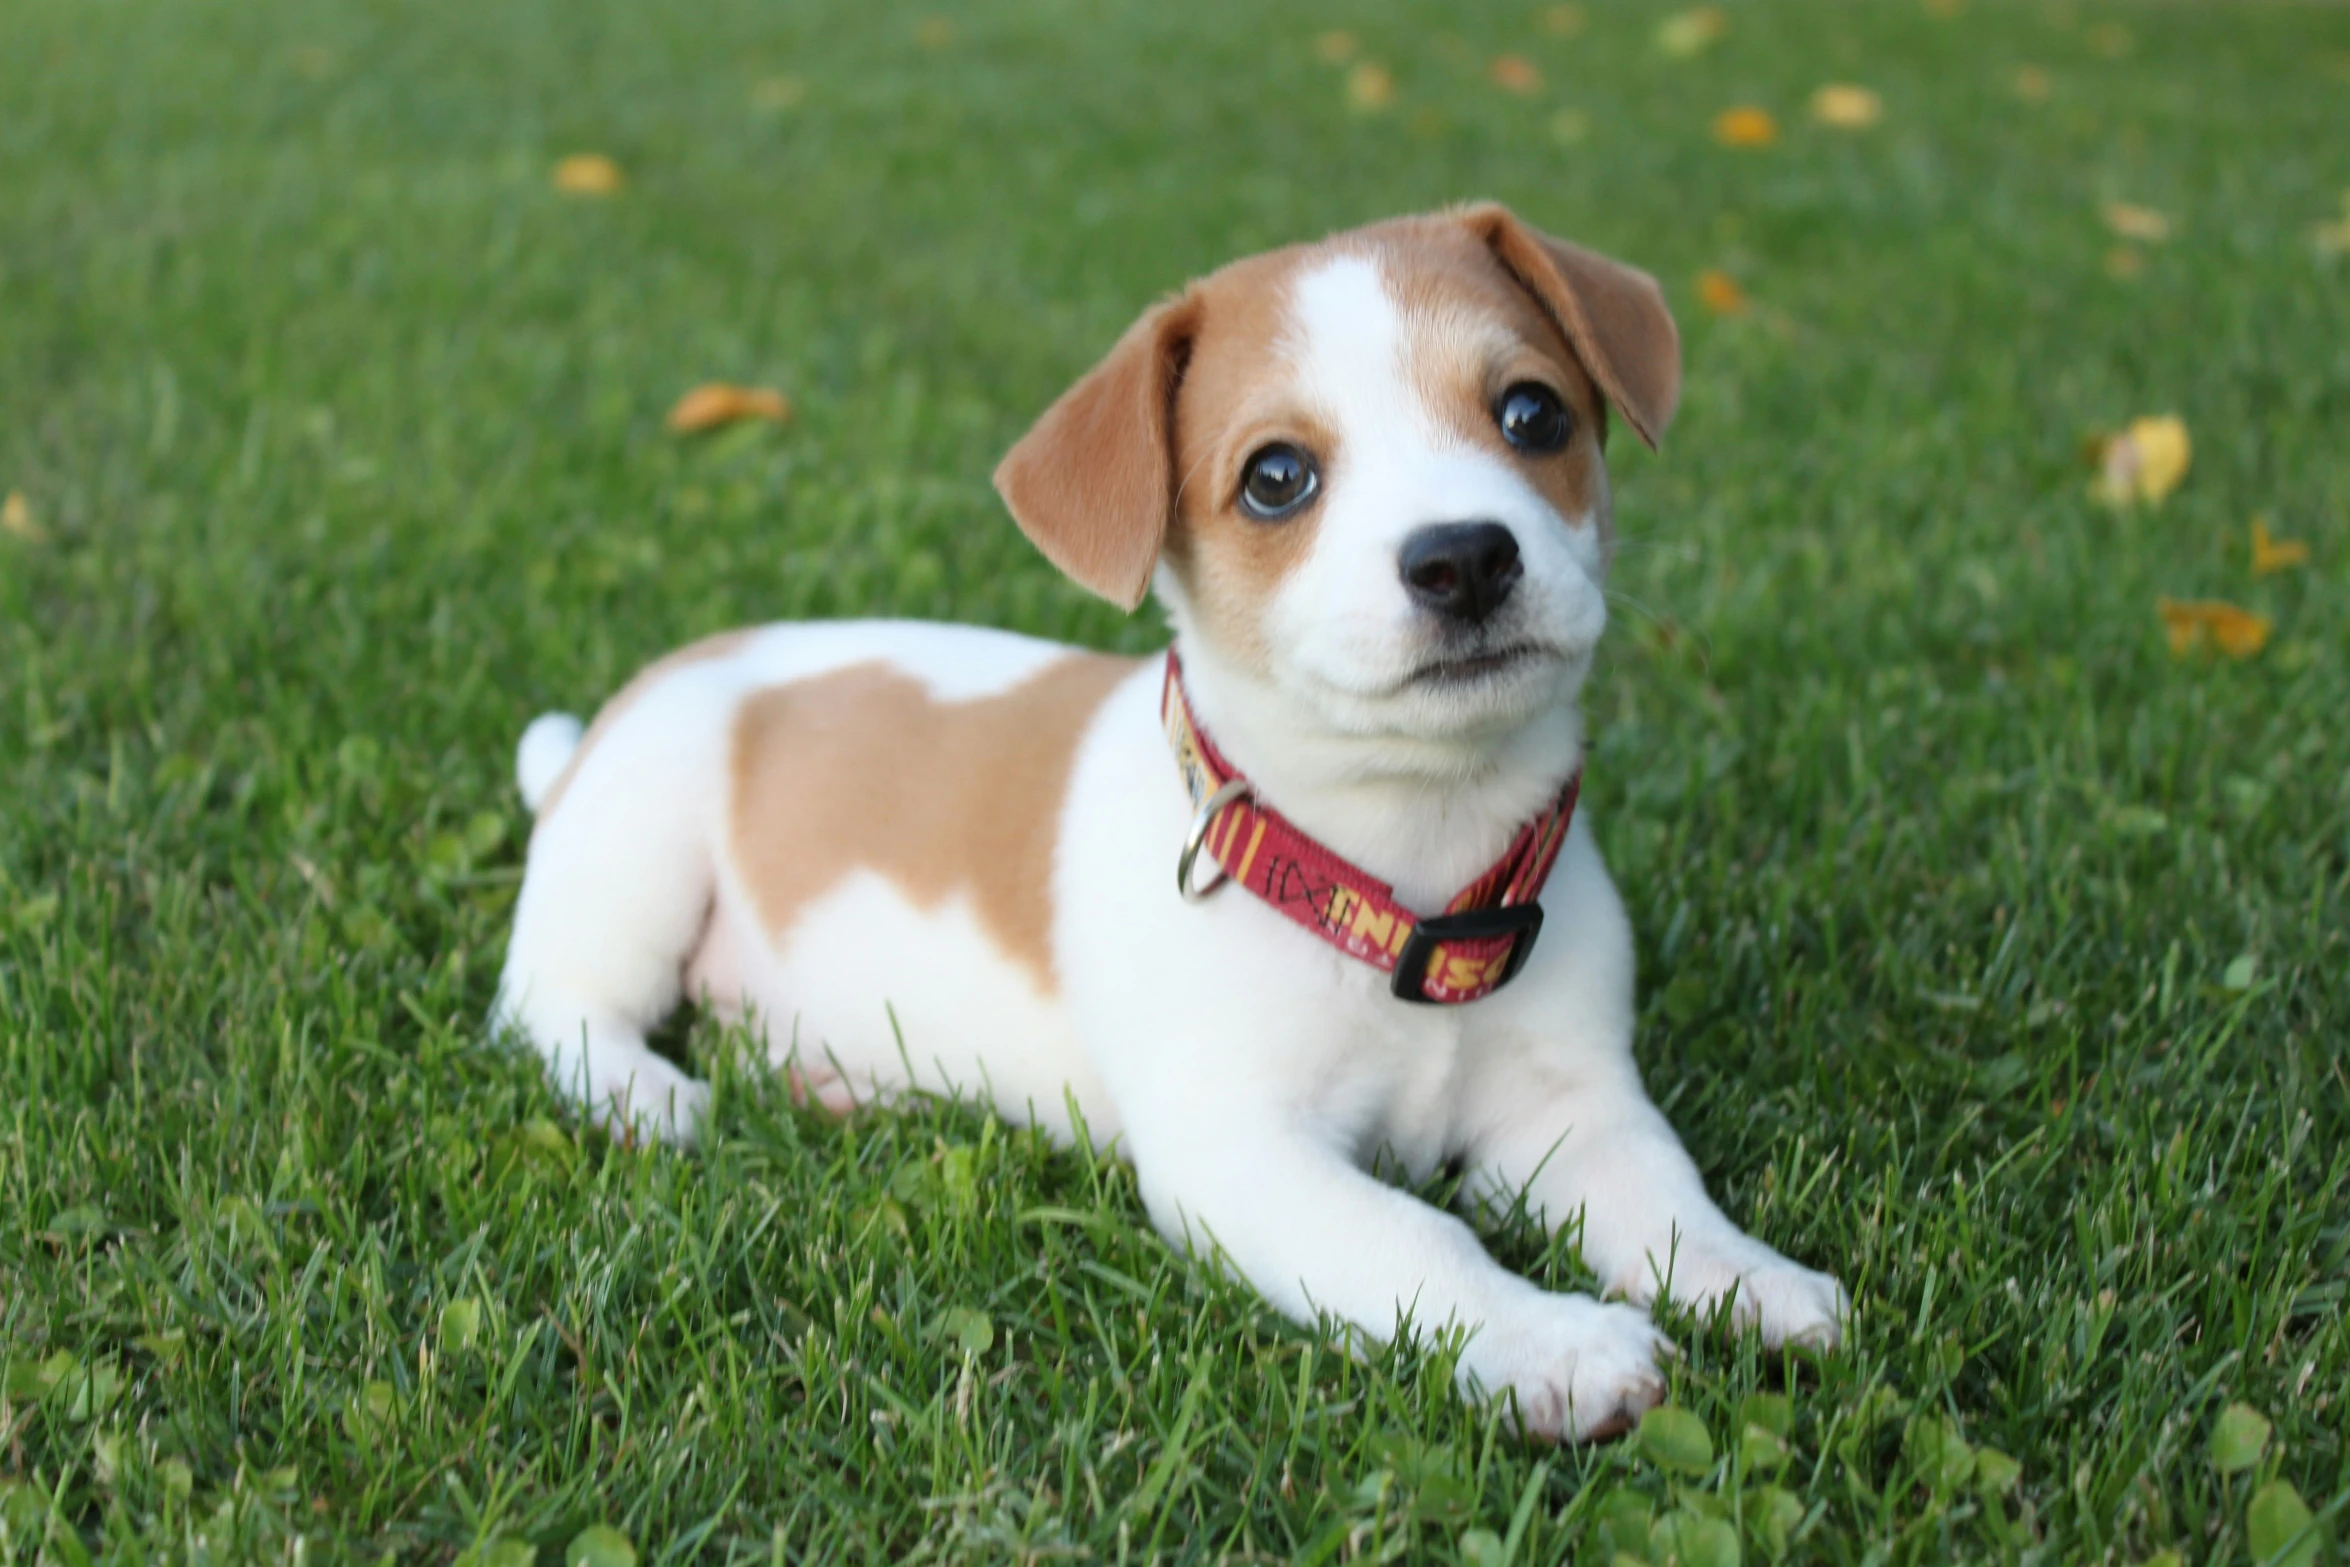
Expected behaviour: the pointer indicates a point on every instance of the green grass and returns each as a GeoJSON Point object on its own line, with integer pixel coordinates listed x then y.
{"type": "Point", "coordinates": [1992, 957]}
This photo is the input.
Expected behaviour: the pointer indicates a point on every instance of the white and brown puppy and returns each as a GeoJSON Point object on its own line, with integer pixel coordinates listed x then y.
{"type": "Point", "coordinates": [1365, 477]}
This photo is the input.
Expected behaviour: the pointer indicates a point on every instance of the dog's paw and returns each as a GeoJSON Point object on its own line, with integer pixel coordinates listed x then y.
{"type": "Point", "coordinates": [1788, 1303]}
{"type": "Point", "coordinates": [1578, 1369]}
{"type": "Point", "coordinates": [1793, 1306]}
{"type": "Point", "coordinates": [656, 1106]}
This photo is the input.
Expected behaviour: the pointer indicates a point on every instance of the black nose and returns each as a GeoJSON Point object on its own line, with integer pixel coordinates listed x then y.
{"type": "Point", "coordinates": [1461, 569]}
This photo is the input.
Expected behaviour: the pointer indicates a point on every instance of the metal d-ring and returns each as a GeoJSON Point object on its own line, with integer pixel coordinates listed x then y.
{"type": "Point", "coordinates": [1233, 789]}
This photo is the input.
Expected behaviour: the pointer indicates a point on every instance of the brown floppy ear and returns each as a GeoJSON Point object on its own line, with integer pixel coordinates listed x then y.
{"type": "Point", "coordinates": [1092, 483]}
{"type": "Point", "coordinates": [1614, 316]}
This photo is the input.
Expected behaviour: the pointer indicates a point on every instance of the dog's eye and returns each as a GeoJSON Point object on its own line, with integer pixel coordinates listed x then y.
{"type": "Point", "coordinates": [1532, 418]}
{"type": "Point", "coordinates": [1279, 480]}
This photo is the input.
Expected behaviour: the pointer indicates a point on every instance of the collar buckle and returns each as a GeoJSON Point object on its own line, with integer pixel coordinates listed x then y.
{"type": "Point", "coordinates": [1520, 920]}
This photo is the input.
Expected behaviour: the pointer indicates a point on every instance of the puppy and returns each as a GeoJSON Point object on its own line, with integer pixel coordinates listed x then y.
{"type": "Point", "coordinates": [1308, 890]}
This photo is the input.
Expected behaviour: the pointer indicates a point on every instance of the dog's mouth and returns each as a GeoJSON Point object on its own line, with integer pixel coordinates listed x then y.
{"type": "Point", "coordinates": [1475, 668]}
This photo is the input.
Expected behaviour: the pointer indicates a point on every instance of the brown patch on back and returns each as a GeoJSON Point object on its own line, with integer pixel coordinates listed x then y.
{"type": "Point", "coordinates": [719, 646]}
{"type": "Point", "coordinates": [861, 768]}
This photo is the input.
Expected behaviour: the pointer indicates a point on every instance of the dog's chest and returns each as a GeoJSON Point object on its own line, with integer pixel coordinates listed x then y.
{"type": "Point", "coordinates": [1395, 1076]}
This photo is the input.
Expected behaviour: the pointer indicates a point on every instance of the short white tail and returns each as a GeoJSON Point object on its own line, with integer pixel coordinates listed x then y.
{"type": "Point", "coordinates": [546, 749]}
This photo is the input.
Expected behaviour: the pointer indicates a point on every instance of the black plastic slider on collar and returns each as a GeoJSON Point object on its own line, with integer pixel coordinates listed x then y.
{"type": "Point", "coordinates": [1522, 920]}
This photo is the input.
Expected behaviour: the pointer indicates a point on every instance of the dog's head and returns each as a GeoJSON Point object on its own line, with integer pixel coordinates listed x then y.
{"type": "Point", "coordinates": [1367, 470]}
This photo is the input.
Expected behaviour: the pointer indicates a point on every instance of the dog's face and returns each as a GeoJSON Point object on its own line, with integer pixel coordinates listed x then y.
{"type": "Point", "coordinates": [1390, 495]}
{"type": "Point", "coordinates": [1367, 470]}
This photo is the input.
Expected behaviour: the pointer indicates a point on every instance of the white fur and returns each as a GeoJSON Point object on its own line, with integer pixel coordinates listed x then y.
{"type": "Point", "coordinates": [1251, 1071]}
{"type": "Point", "coordinates": [842, 1015]}
{"type": "Point", "coordinates": [546, 749]}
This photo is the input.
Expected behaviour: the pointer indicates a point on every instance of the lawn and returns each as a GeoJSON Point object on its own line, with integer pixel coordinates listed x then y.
{"type": "Point", "coordinates": [1994, 955]}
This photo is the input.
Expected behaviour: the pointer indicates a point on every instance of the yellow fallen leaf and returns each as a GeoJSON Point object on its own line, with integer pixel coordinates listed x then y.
{"type": "Point", "coordinates": [1719, 292]}
{"type": "Point", "coordinates": [2333, 239]}
{"type": "Point", "coordinates": [1570, 127]}
{"type": "Point", "coordinates": [1335, 47]}
{"type": "Point", "coordinates": [2123, 263]}
{"type": "Point", "coordinates": [2272, 555]}
{"type": "Point", "coordinates": [934, 32]}
{"type": "Point", "coordinates": [588, 174]}
{"type": "Point", "coordinates": [16, 517]}
{"type": "Point", "coordinates": [2164, 452]}
{"type": "Point", "coordinates": [1514, 73]}
{"type": "Point", "coordinates": [708, 407]}
{"type": "Point", "coordinates": [2145, 462]}
{"type": "Point", "coordinates": [1564, 21]}
{"type": "Point", "coordinates": [1745, 126]}
{"type": "Point", "coordinates": [2138, 223]}
{"type": "Point", "coordinates": [778, 92]}
{"type": "Point", "coordinates": [1692, 32]}
{"type": "Point", "coordinates": [1370, 87]}
{"type": "Point", "coordinates": [2032, 84]}
{"type": "Point", "coordinates": [2236, 632]}
{"type": "Point", "coordinates": [1846, 107]}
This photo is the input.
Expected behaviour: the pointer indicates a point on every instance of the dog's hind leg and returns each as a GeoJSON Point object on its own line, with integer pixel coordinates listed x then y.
{"type": "Point", "coordinates": [616, 896]}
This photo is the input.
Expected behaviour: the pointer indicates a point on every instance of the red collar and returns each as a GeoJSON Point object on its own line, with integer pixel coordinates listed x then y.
{"type": "Point", "coordinates": [1476, 946]}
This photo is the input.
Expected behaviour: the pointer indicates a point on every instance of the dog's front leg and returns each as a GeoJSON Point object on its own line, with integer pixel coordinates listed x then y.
{"type": "Point", "coordinates": [1588, 1144]}
{"type": "Point", "coordinates": [1315, 1234]}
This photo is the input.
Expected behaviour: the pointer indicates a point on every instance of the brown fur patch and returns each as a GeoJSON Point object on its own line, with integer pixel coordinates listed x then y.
{"type": "Point", "coordinates": [1614, 315]}
{"type": "Point", "coordinates": [1471, 333]}
{"type": "Point", "coordinates": [1092, 483]}
{"type": "Point", "coordinates": [1239, 394]}
{"type": "Point", "coordinates": [719, 646]}
{"type": "Point", "coordinates": [861, 768]}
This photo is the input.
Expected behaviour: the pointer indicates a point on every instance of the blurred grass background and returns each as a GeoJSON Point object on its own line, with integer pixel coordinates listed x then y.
{"type": "Point", "coordinates": [1993, 957]}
